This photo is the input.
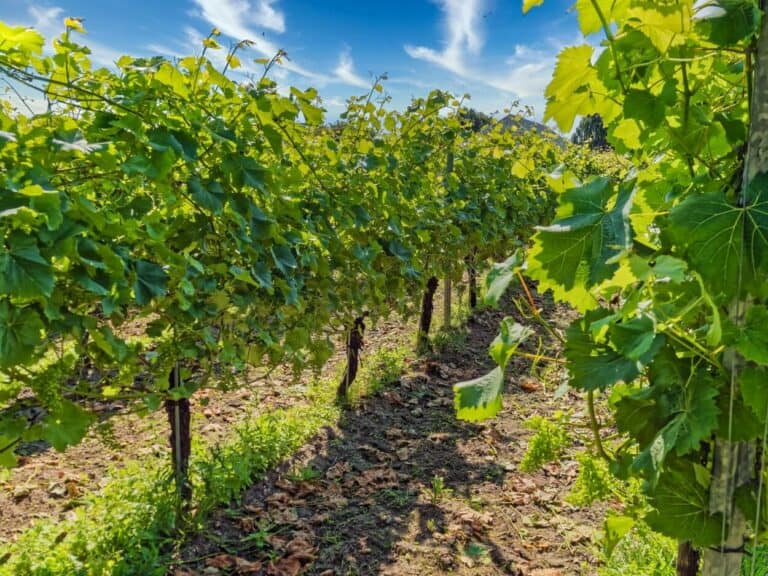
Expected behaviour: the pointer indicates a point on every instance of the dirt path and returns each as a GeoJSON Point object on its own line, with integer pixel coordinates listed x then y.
{"type": "Point", "coordinates": [401, 487]}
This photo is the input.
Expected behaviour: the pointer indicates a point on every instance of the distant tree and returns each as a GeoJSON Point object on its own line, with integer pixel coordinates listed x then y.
{"type": "Point", "coordinates": [592, 132]}
{"type": "Point", "coordinates": [474, 119]}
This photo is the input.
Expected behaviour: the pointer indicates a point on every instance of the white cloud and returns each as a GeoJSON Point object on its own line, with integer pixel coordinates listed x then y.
{"type": "Point", "coordinates": [524, 75]}
{"type": "Point", "coordinates": [47, 21]}
{"type": "Point", "coordinates": [234, 17]}
{"type": "Point", "coordinates": [237, 19]}
{"type": "Point", "coordinates": [463, 35]}
{"type": "Point", "coordinates": [528, 71]}
{"type": "Point", "coordinates": [269, 17]}
{"type": "Point", "coordinates": [345, 71]}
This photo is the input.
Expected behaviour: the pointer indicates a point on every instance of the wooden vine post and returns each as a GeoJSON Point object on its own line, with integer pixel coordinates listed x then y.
{"type": "Point", "coordinates": [354, 345]}
{"type": "Point", "coordinates": [687, 559]}
{"type": "Point", "coordinates": [734, 462]}
{"type": "Point", "coordinates": [179, 415]}
{"type": "Point", "coordinates": [427, 309]}
{"type": "Point", "coordinates": [472, 273]}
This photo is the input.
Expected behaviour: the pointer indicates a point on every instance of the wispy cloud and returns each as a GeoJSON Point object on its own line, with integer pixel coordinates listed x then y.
{"type": "Point", "coordinates": [527, 72]}
{"type": "Point", "coordinates": [235, 18]}
{"type": "Point", "coordinates": [523, 75]}
{"type": "Point", "coordinates": [345, 71]}
{"type": "Point", "coordinates": [240, 20]}
{"type": "Point", "coordinates": [463, 34]}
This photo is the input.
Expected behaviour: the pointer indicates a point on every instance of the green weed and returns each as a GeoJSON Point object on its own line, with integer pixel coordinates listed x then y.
{"type": "Point", "coordinates": [379, 370]}
{"type": "Point", "coordinates": [549, 442]}
{"type": "Point", "coordinates": [642, 552]}
{"type": "Point", "coordinates": [129, 527]}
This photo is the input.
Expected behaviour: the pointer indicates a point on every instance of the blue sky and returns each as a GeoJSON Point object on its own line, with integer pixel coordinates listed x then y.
{"type": "Point", "coordinates": [484, 47]}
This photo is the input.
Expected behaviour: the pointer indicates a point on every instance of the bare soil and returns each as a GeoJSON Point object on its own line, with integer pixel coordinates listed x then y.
{"type": "Point", "coordinates": [50, 484]}
{"type": "Point", "coordinates": [400, 487]}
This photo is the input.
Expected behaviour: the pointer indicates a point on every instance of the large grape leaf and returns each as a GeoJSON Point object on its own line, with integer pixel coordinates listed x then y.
{"type": "Point", "coordinates": [480, 399]}
{"type": "Point", "coordinates": [681, 502]}
{"type": "Point", "coordinates": [752, 337]}
{"type": "Point", "coordinates": [66, 425]}
{"type": "Point", "coordinates": [595, 365]}
{"type": "Point", "coordinates": [500, 276]}
{"type": "Point", "coordinates": [569, 93]}
{"type": "Point", "coordinates": [590, 21]}
{"type": "Point", "coordinates": [754, 390]}
{"type": "Point", "coordinates": [21, 330]}
{"type": "Point", "coordinates": [578, 251]}
{"type": "Point", "coordinates": [726, 22]}
{"type": "Point", "coordinates": [724, 241]}
{"type": "Point", "coordinates": [695, 421]}
{"type": "Point", "coordinates": [150, 281]}
{"type": "Point", "coordinates": [23, 271]}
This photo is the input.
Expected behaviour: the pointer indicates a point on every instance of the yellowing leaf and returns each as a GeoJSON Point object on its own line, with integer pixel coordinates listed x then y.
{"type": "Point", "coordinates": [233, 61]}
{"type": "Point", "coordinates": [589, 19]}
{"type": "Point", "coordinates": [528, 4]}
{"type": "Point", "coordinates": [171, 77]}
{"type": "Point", "coordinates": [75, 24]}
{"type": "Point", "coordinates": [629, 133]}
{"type": "Point", "coordinates": [19, 38]}
{"type": "Point", "coordinates": [211, 43]}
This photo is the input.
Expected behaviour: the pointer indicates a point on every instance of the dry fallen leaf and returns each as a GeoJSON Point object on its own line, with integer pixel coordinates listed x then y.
{"type": "Point", "coordinates": [222, 561]}
{"type": "Point", "coordinates": [285, 567]}
{"type": "Point", "coordinates": [528, 384]}
{"type": "Point", "coordinates": [244, 566]}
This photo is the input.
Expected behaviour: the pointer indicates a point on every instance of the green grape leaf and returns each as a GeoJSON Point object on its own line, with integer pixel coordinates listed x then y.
{"type": "Point", "coordinates": [724, 241]}
{"type": "Point", "coordinates": [595, 365]}
{"type": "Point", "coordinates": [170, 76]}
{"type": "Point", "coordinates": [274, 138]}
{"type": "Point", "coordinates": [752, 337]}
{"type": "Point", "coordinates": [696, 420]}
{"type": "Point", "coordinates": [21, 330]}
{"type": "Point", "coordinates": [682, 507]}
{"type": "Point", "coordinates": [727, 22]}
{"type": "Point", "coordinates": [569, 94]}
{"type": "Point", "coordinates": [210, 196]}
{"type": "Point", "coordinates": [615, 528]}
{"type": "Point", "coordinates": [479, 399]}
{"type": "Point", "coordinates": [398, 250]}
{"type": "Point", "coordinates": [589, 19]}
{"type": "Point", "coordinates": [648, 108]}
{"type": "Point", "coordinates": [49, 205]}
{"type": "Point", "coordinates": [505, 344]}
{"type": "Point", "coordinates": [634, 338]}
{"type": "Point", "coordinates": [500, 277]}
{"type": "Point", "coordinates": [738, 422]}
{"type": "Point", "coordinates": [284, 258]}
{"type": "Point", "coordinates": [579, 250]}
{"type": "Point", "coordinates": [150, 282]}
{"type": "Point", "coordinates": [7, 457]}
{"type": "Point", "coordinates": [24, 273]}
{"type": "Point", "coordinates": [66, 425]}
{"type": "Point", "coordinates": [754, 390]}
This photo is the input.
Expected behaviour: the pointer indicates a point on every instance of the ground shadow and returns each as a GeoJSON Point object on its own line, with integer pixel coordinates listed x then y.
{"type": "Point", "coordinates": [399, 471]}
